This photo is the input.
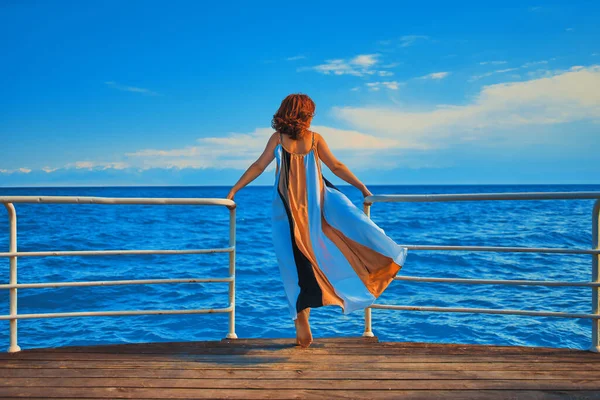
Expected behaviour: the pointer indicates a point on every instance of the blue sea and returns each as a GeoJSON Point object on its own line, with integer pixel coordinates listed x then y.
{"type": "Point", "coordinates": [261, 306]}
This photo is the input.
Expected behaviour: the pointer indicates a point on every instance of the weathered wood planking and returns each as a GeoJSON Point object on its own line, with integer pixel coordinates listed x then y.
{"type": "Point", "coordinates": [345, 368]}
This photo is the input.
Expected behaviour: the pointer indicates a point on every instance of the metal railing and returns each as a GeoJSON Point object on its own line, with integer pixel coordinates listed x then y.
{"type": "Point", "coordinates": [13, 254]}
{"type": "Point", "coordinates": [594, 284]}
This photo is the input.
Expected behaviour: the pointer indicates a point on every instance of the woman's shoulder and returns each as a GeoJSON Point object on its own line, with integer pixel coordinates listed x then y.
{"type": "Point", "coordinates": [317, 136]}
{"type": "Point", "coordinates": [275, 137]}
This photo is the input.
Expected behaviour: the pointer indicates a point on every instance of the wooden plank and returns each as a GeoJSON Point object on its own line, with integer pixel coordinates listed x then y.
{"type": "Point", "coordinates": [291, 374]}
{"type": "Point", "coordinates": [297, 356]}
{"type": "Point", "coordinates": [277, 384]}
{"type": "Point", "coordinates": [320, 343]}
{"type": "Point", "coordinates": [292, 350]}
{"type": "Point", "coordinates": [348, 365]}
{"type": "Point", "coordinates": [227, 343]}
{"type": "Point", "coordinates": [152, 393]}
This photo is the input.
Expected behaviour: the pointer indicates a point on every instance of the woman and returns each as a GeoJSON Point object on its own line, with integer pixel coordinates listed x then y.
{"type": "Point", "coordinates": [329, 252]}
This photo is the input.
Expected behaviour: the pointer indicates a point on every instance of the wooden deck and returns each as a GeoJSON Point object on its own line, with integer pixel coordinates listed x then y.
{"type": "Point", "coordinates": [339, 368]}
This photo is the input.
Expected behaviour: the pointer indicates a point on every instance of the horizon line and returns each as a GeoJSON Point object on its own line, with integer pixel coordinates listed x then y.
{"type": "Point", "coordinates": [261, 185]}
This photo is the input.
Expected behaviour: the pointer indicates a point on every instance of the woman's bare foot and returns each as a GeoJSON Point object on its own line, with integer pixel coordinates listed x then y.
{"type": "Point", "coordinates": [303, 334]}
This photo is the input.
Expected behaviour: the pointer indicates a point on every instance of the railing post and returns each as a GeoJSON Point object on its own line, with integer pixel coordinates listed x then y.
{"type": "Point", "coordinates": [231, 334]}
{"type": "Point", "coordinates": [596, 277]}
{"type": "Point", "coordinates": [12, 219]}
{"type": "Point", "coordinates": [368, 329]}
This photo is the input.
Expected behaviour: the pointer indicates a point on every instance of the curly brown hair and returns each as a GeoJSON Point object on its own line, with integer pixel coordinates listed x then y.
{"type": "Point", "coordinates": [294, 115]}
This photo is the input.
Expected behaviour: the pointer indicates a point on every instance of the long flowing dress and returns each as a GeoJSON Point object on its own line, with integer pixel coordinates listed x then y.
{"type": "Point", "coordinates": [328, 251]}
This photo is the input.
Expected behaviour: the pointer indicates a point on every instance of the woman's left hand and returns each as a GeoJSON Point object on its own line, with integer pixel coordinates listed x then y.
{"type": "Point", "coordinates": [230, 197]}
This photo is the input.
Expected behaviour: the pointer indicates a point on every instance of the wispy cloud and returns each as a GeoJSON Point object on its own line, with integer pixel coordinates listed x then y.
{"type": "Point", "coordinates": [91, 165]}
{"type": "Point", "coordinates": [186, 152]}
{"type": "Point", "coordinates": [499, 109]}
{"type": "Point", "coordinates": [132, 89]}
{"type": "Point", "coordinates": [365, 60]}
{"type": "Point", "coordinates": [485, 75]}
{"type": "Point", "coordinates": [492, 62]}
{"type": "Point", "coordinates": [296, 58]}
{"type": "Point", "coordinates": [88, 165]}
{"type": "Point", "coordinates": [16, 170]}
{"type": "Point", "coordinates": [359, 65]}
{"type": "Point", "coordinates": [498, 71]}
{"type": "Point", "coordinates": [435, 75]}
{"type": "Point", "coordinates": [505, 70]}
{"type": "Point", "coordinates": [534, 63]}
{"type": "Point", "coordinates": [409, 40]}
{"type": "Point", "coordinates": [375, 86]}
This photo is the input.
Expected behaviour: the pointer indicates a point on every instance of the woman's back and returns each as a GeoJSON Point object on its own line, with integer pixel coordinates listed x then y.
{"type": "Point", "coordinates": [300, 146]}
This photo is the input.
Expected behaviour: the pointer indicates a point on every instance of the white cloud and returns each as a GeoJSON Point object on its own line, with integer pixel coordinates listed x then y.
{"type": "Point", "coordinates": [373, 86]}
{"type": "Point", "coordinates": [78, 165]}
{"type": "Point", "coordinates": [567, 96]}
{"type": "Point", "coordinates": [95, 165]}
{"type": "Point", "coordinates": [569, 29]}
{"type": "Point", "coordinates": [531, 64]}
{"type": "Point", "coordinates": [538, 73]}
{"type": "Point", "coordinates": [83, 164]}
{"type": "Point", "coordinates": [409, 40]}
{"type": "Point", "coordinates": [132, 89]}
{"type": "Point", "coordinates": [492, 62]}
{"type": "Point", "coordinates": [435, 75]}
{"type": "Point", "coordinates": [501, 71]}
{"type": "Point", "coordinates": [498, 71]}
{"type": "Point", "coordinates": [392, 85]}
{"type": "Point", "coordinates": [186, 152]}
{"type": "Point", "coordinates": [365, 60]}
{"type": "Point", "coordinates": [296, 58]}
{"type": "Point", "coordinates": [357, 66]}
{"type": "Point", "coordinates": [385, 73]}
{"type": "Point", "coordinates": [12, 171]}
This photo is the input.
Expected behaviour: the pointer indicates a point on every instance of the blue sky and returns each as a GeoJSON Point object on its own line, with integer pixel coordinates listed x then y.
{"type": "Point", "coordinates": [181, 93]}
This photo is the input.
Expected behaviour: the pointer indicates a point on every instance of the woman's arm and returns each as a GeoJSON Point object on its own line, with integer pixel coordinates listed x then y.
{"type": "Point", "coordinates": [338, 168]}
{"type": "Point", "coordinates": [257, 166]}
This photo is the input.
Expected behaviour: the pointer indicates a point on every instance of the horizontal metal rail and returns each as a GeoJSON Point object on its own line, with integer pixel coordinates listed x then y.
{"type": "Point", "coordinates": [594, 252]}
{"type": "Point", "coordinates": [114, 283]}
{"type": "Point", "coordinates": [78, 253]}
{"type": "Point", "coordinates": [429, 198]}
{"type": "Point", "coordinates": [117, 313]}
{"type": "Point", "coordinates": [501, 249]}
{"type": "Point", "coordinates": [118, 200]}
{"type": "Point", "coordinates": [495, 281]}
{"type": "Point", "coordinates": [485, 311]}
{"type": "Point", "coordinates": [13, 254]}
